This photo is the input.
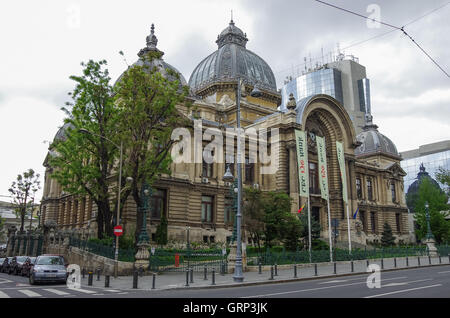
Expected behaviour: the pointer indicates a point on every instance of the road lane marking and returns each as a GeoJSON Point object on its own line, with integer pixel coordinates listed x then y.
{"type": "Point", "coordinates": [84, 291]}
{"type": "Point", "coordinates": [403, 291]}
{"type": "Point", "coordinates": [405, 283]}
{"type": "Point", "coordinates": [5, 281]}
{"type": "Point", "coordinates": [112, 290]}
{"type": "Point", "coordinates": [57, 292]}
{"type": "Point", "coordinates": [318, 288]}
{"type": "Point", "coordinates": [3, 295]}
{"type": "Point", "coordinates": [29, 293]}
{"type": "Point", "coordinates": [344, 280]}
{"type": "Point", "coordinates": [443, 272]}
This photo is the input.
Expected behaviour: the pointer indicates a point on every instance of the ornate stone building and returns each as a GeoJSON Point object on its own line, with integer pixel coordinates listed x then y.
{"type": "Point", "coordinates": [194, 194]}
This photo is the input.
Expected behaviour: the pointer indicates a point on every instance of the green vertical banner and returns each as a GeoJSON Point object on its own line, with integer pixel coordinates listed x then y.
{"type": "Point", "coordinates": [302, 161]}
{"type": "Point", "coordinates": [323, 175]}
{"type": "Point", "coordinates": [341, 160]}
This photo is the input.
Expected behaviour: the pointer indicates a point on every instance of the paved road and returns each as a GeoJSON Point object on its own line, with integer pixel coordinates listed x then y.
{"type": "Point", "coordinates": [408, 283]}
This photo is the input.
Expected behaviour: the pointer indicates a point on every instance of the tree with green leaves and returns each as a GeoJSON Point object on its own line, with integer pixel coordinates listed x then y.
{"type": "Point", "coordinates": [280, 224]}
{"type": "Point", "coordinates": [148, 104]}
{"type": "Point", "coordinates": [253, 215]}
{"type": "Point", "coordinates": [23, 192]}
{"type": "Point", "coordinates": [438, 206]}
{"type": "Point", "coordinates": [161, 231]}
{"type": "Point", "coordinates": [86, 159]}
{"type": "Point", "coordinates": [315, 228]}
{"type": "Point", "coordinates": [443, 176]}
{"type": "Point", "coordinates": [387, 238]}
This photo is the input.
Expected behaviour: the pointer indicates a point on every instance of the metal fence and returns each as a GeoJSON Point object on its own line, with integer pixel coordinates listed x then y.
{"type": "Point", "coordinates": [125, 255]}
{"type": "Point", "coordinates": [181, 259]}
{"type": "Point", "coordinates": [269, 257]}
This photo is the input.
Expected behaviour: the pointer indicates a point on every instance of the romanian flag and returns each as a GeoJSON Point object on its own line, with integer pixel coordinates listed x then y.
{"type": "Point", "coordinates": [356, 212]}
{"type": "Point", "coordinates": [301, 209]}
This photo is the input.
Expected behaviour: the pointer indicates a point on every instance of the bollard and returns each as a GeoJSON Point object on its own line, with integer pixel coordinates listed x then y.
{"type": "Point", "coordinates": [315, 269]}
{"type": "Point", "coordinates": [106, 281]}
{"type": "Point", "coordinates": [98, 274]}
{"type": "Point", "coordinates": [83, 272]}
{"type": "Point", "coordinates": [429, 259]}
{"type": "Point", "coordinates": [90, 276]}
{"type": "Point", "coordinates": [449, 258]}
{"type": "Point", "coordinates": [271, 272]}
{"type": "Point", "coordinates": [276, 269]}
{"type": "Point", "coordinates": [205, 272]}
{"type": "Point", "coordinates": [367, 261]}
{"type": "Point", "coordinates": [295, 271]}
{"type": "Point", "coordinates": [382, 264]}
{"type": "Point", "coordinates": [154, 281]}
{"type": "Point", "coordinates": [407, 261]}
{"type": "Point", "coordinates": [440, 260]}
{"type": "Point", "coordinates": [395, 262]}
{"type": "Point", "coordinates": [213, 278]}
{"type": "Point", "coordinates": [187, 277]}
{"type": "Point", "coordinates": [259, 267]}
{"type": "Point", "coordinates": [334, 266]}
{"type": "Point", "coordinates": [352, 267]}
{"type": "Point", "coordinates": [192, 276]}
{"type": "Point", "coordinates": [135, 279]}
{"type": "Point", "coordinates": [418, 260]}
{"type": "Point", "coordinates": [141, 271]}
{"type": "Point", "coordinates": [222, 269]}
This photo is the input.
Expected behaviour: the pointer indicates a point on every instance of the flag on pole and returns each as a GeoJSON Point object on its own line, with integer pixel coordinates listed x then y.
{"type": "Point", "coordinates": [301, 209]}
{"type": "Point", "coordinates": [323, 175]}
{"type": "Point", "coordinates": [341, 160]}
{"type": "Point", "coordinates": [356, 212]}
{"type": "Point", "coordinates": [302, 160]}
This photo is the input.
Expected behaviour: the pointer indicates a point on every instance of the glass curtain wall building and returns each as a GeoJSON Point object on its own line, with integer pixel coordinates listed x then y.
{"type": "Point", "coordinates": [433, 156]}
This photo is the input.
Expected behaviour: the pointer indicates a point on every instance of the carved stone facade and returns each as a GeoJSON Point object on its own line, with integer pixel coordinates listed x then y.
{"type": "Point", "coordinates": [182, 195]}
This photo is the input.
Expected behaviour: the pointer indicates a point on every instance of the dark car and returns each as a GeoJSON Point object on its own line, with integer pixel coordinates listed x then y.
{"type": "Point", "coordinates": [5, 265]}
{"type": "Point", "coordinates": [28, 266]}
{"type": "Point", "coordinates": [48, 268]}
{"type": "Point", "coordinates": [15, 267]}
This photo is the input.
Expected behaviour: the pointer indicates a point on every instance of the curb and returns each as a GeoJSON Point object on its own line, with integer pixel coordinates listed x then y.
{"type": "Point", "coordinates": [245, 284]}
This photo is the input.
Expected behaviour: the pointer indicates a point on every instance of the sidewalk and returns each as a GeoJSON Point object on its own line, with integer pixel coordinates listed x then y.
{"type": "Point", "coordinates": [177, 280]}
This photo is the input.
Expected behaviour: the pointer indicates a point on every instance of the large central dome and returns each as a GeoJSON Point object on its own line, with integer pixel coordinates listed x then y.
{"type": "Point", "coordinates": [230, 61]}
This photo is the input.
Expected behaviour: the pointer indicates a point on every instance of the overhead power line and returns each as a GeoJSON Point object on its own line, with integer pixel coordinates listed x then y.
{"type": "Point", "coordinates": [392, 26]}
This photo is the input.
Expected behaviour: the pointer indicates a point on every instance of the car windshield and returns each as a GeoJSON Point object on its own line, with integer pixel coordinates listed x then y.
{"type": "Point", "coordinates": [32, 260]}
{"type": "Point", "coordinates": [50, 260]}
{"type": "Point", "coordinates": [21, 259]}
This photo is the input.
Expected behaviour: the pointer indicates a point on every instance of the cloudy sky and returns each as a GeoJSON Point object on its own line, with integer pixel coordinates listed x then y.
{"type": "Point", "coordinates": [43, 43]}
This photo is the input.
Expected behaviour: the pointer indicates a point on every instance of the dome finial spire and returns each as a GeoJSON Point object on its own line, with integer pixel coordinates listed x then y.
{"type": "Point", "coordinates": [152, 41]}
{"type": "Point", "coordinates": [231, 22]}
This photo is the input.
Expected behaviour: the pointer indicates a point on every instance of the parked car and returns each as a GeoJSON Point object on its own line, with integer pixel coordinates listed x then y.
{"type": "Point", "coordinates": [1, 263]}
{"type": "Point", "coordinates": [28, 266]}
{"type": "Point", "coordinates": [15, 267]}
{"type": "Point", "coordinates": [5, 265]}
{"type": "Point", "coordinates": [48, 268]}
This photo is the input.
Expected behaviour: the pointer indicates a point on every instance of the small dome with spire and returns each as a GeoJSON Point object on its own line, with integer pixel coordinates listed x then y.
{"type": "Point", "coordinates": [157, 62]}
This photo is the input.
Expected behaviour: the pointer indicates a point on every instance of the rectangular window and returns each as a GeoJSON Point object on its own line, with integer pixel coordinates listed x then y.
{"type": "Point", "coordinates": [207, 169]}
{"type": "Point", "coordinates": [313, 179]}
{"type": "Point", "coordinates": [229, 213]}
{"type": "Point", "coordinates": [373, 222]}
{"type": "Point", "coordinates": [249, 171]}
{"type": "Point", "coordinates": [158, 203]}
{"type": "Point", "coordinates": [369, 190]}
{"type": "Point", "coordinates": [393, 193]}
{"type": "Point", "coordinates": [362, 217]}
{"type": "Point", "coordinates": [398, 222]}
{"type": "Point", "coordinates": [358, 188]}
{"type": "Point", "coordinates": [207, 209]}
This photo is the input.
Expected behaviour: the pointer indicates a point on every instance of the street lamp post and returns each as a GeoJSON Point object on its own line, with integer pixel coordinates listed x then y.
{"type": "Point", "coordinates": [238, 272]}
{"type": "Point", "coordinates": [429, 233]}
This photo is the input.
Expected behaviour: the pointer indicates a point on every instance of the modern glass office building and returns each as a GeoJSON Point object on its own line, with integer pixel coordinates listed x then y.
{"type": "Point", "coordinates": [323, 81]}
{"type": "Point", "coordinates": [433, 156]}
{"type": "Point", "coordinates": [345, 80]}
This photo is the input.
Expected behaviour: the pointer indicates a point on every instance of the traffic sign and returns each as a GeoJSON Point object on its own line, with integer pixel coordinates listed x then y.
{"type": "Point", "coordinates": [118, 230]}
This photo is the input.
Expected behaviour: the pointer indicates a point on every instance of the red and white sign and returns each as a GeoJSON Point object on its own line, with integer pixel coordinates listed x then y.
{"type": "Point", "coordinates": [118, 230]}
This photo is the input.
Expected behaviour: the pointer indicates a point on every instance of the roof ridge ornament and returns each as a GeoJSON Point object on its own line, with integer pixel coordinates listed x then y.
{"type": "Point", "coordinates": [151, 41]}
